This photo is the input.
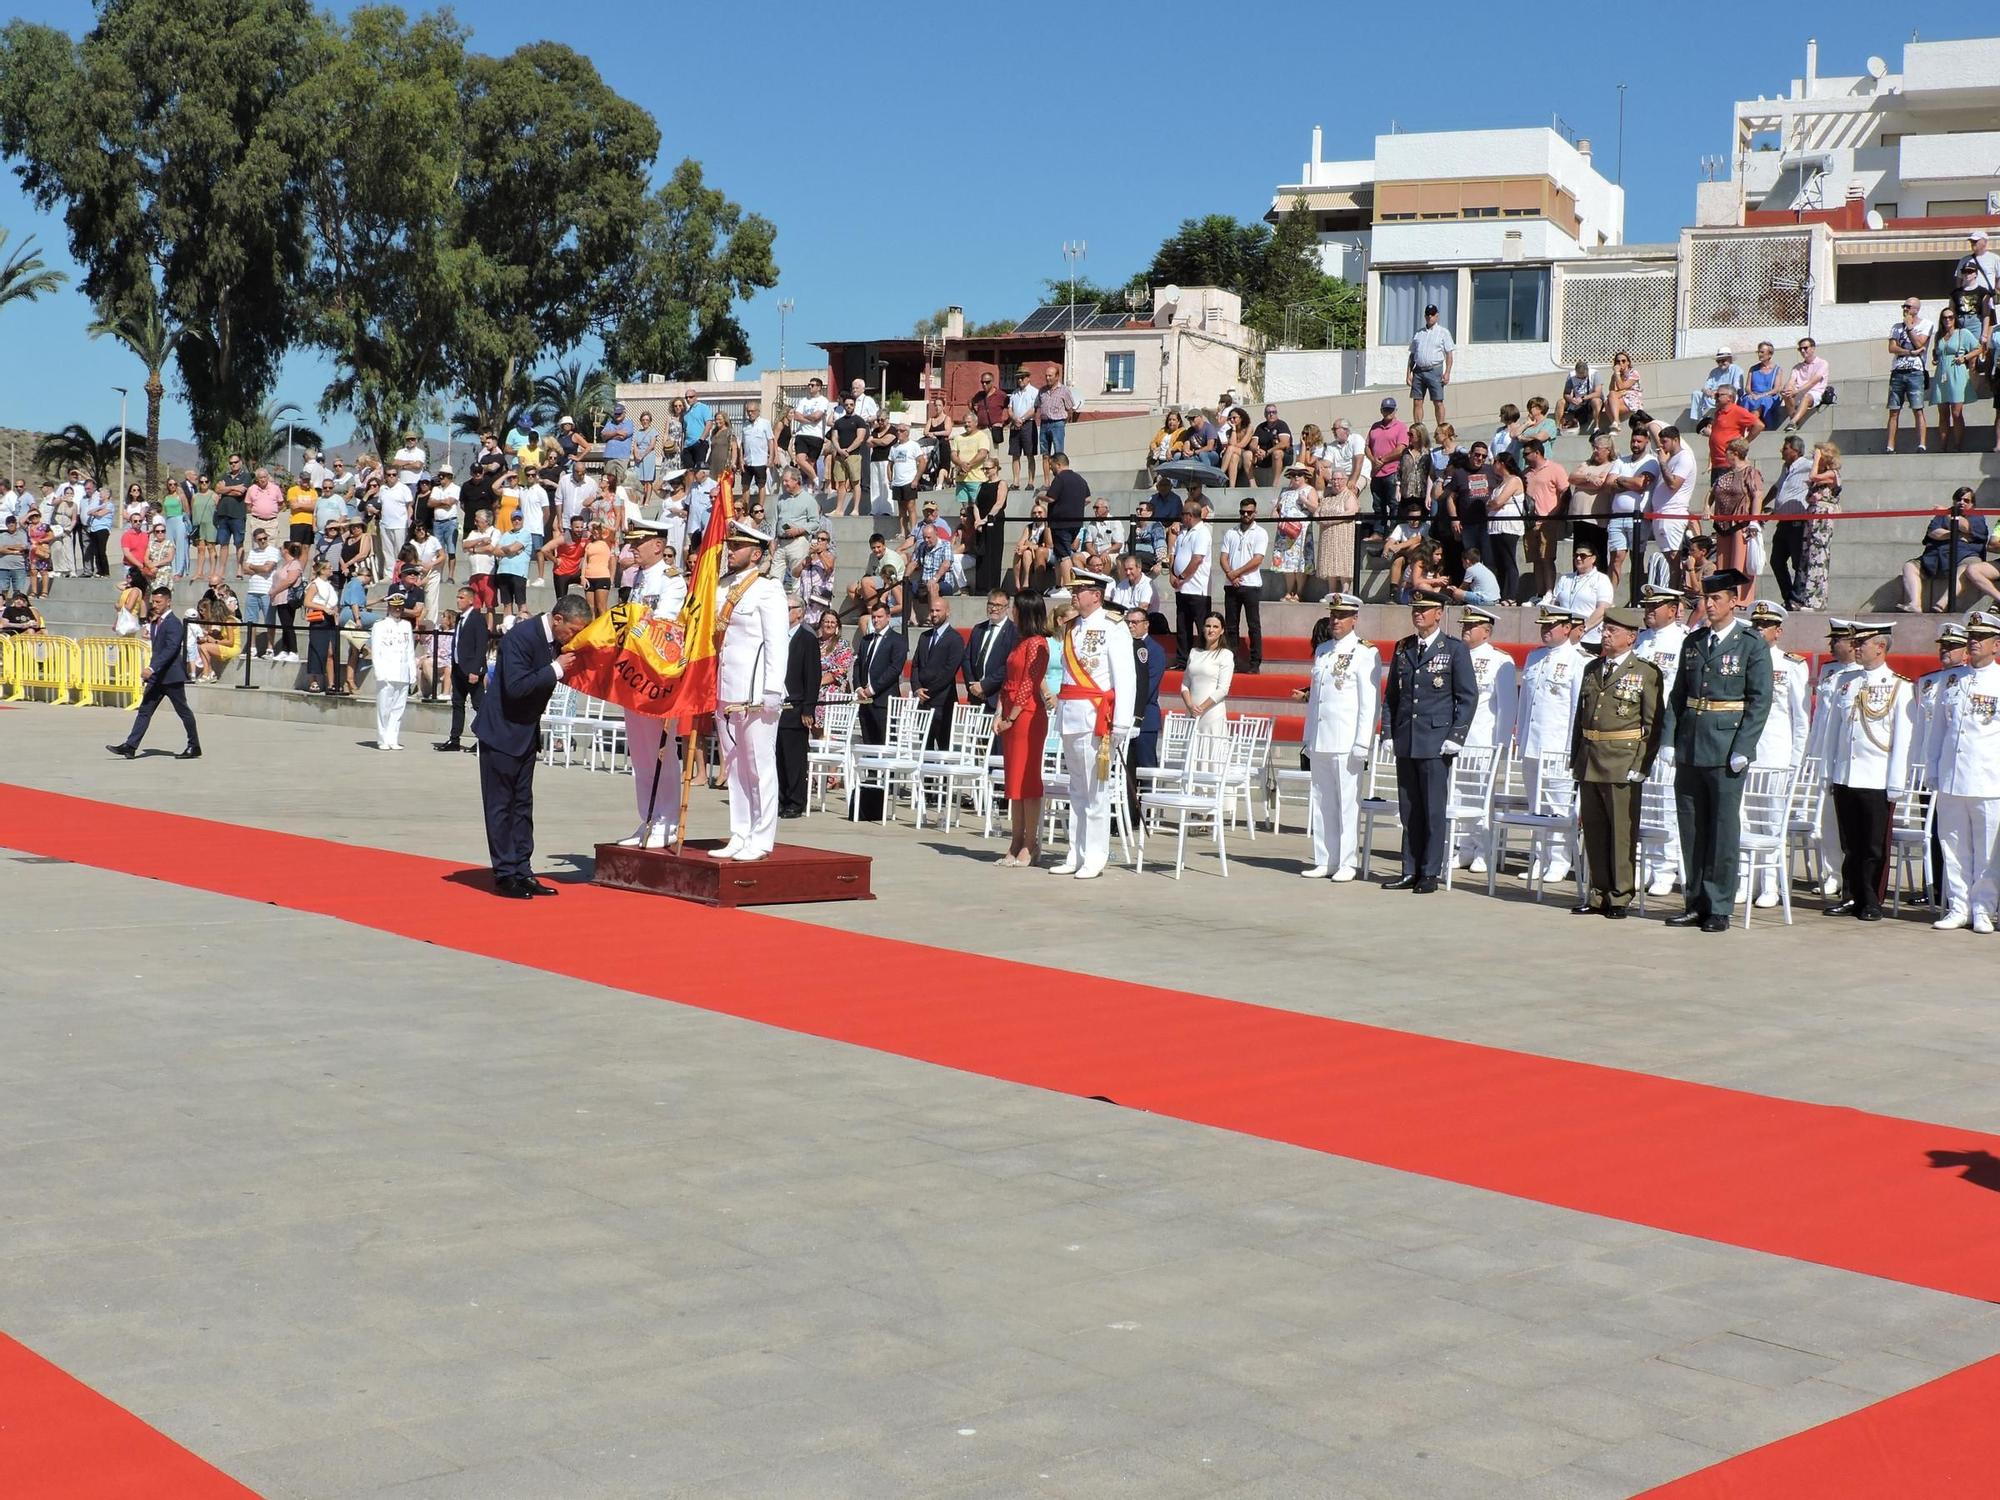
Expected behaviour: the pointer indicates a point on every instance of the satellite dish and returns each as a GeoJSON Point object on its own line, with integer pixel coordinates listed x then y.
{"type": "Point", "coordinates": [1170, 294]}
{"type": "Point", "coordinates": [1877, 69]}
{"type": "Point", "coordinates": [1875, 220]}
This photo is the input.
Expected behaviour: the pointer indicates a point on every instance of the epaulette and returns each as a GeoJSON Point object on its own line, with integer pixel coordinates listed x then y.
{"type": "Point", "coordinates": [1793, 656]}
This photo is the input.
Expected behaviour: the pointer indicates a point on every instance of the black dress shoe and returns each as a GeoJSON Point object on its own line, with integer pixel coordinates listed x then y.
{"type": "Point", "coordinates": [1846, 908]}
{"type": "Point", "coordinates": [1715, 924]}
{"type": "Point", "coordinates": [1869, 914]}
{"type": "Point", "coordinates": [447, 745]}
{"type": "Point", "coordinates": [193, 752]}
{"type": "Point", "coordinates": [513, 890]}
{"type": "Point", "coordinates": [1400, 883]}
{"type": "Point", "coordinates": [1585, 909]}
{"type": "Point", "coordinates": [536, 887]}
{"type": "Point", "coordinates": [1616, 913]}
{"type": "Point", "coordinates": [125, 750]}
{"type": "Point", "coordinates": [1425, 887]}
{"type": "Point", "coordinates": [1685, 919]}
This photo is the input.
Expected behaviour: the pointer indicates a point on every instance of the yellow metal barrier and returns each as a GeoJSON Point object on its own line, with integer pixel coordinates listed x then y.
{"type": "Point", "coordinates": [111, 667]}
{"type": "Point", "coordinates": [9, 674]}
{"type": "Point", "coordinates": [44, 665]}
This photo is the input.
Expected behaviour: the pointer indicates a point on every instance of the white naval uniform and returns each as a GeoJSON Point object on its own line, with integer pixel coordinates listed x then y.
{"type": "Point", "coordinates": [392, 658]}
{"type": "Point", "coordinates": [654, 744]}
{"type": "Point", "coordinates": [1103, 647]}
{"type": "Point", "coordinates": [1819, 742]}
{"type": "Point", "coordinates": [1926, 689]}
{"type": "Point", "coordinates": [1964, 768]}
{"type": "Point", "coordinates": [749, 694]}
{"type": "Point", "coordinates": [1340, 716]}
{"type": "Point", "coordinates": [1550, 681]}
{"type": "Point", "coordinates": [1498, 681]}
{"type": "Point", "coordinates": [1864, 757]}
{"type": "Point", "coordinates": [1783, 742]}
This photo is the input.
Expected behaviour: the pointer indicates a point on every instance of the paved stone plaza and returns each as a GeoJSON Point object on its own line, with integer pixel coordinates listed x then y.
{"type": "Point", "coordinates": [351, 1215]}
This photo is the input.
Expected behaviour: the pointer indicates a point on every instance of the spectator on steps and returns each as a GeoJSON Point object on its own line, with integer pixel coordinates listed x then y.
{"type": "Point", "coordinates": [1908, 342]}
{"type": "Point", "coordinates": [1624, 394]}
{"type": "Point", "coordinates": [1582, 400]}
{"type": "Point", "coordinates": [1725, 375]}
{"type": "Point", "coordinates": [1806, 386]}
{"type": "Point", "coordinates": [1958, 352]}
{"type": "Point", "coordinates": [1954, 541]}
{"type": "Point", "coordinates": [1761, 384]}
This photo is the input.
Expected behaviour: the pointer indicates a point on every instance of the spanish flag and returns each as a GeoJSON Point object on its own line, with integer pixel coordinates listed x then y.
{"type": "Point", "coordinates": [661, 667]}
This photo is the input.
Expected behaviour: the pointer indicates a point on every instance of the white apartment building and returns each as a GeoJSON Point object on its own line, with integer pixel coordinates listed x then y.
{"type": "Point", "coordinates": [1483, 223]}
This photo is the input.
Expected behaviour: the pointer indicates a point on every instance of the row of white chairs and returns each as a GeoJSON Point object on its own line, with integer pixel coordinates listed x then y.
{"type": "Point", "coordinates": [577, 726]}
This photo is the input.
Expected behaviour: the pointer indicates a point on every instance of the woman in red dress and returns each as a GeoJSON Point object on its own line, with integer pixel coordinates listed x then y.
{"type": "Point", "coordinates": [1023, 727]}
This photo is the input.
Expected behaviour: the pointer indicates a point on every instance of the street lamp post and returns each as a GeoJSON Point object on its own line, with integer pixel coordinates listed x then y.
{"type": "Point", "coordinates": [288, 445]}
{"type": "Point", "coordinates": [121, 442]}
{"type": "Point", "coordinates": [784, 311]}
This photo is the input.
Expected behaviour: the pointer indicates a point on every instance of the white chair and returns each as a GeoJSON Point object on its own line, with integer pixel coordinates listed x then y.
{"type": "Point", "coordinates": [562, 722]}
{"type": "Point", "coordinates": [603, 725]}
{"type": "Point", "coordinates": [1284, 779]}
{"type": "Point", "coordinates": [1552, 817]}
{"type": "Point", "coordinates": [1249, 752]}
{"type": "Point", "coordinates": [1378, 799]}
{"type": "Point", "coordinates": [1802, 819]}
{"type": "Point", "coordinates": [1202, 797]}
{"type": "Point", "coordinates": [1659, 823]}
{"type": "Point", "coordinates": [1910, 839]}
{"type": "Point", "coordinates": [960, 766]}
{"type": "Point", "coordinates": [1175, 730]}
{"type": "Point", "coordinates": [1510, 784]}
{"type": "Point", "coordinates": [1764, 837]}
{"type": "Point", "coordinates": [1468, 798]}
{"type": "Point", "coordinates": [830, 753]}
{"type": "Point", "coordinates": [898, 757]}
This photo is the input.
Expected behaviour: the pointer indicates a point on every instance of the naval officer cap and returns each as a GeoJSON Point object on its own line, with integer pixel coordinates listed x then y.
{"type": "Point", "coordinates": [1426, 599]}
{"type": "Point", "coordinates": [1953, 634]}
{"type": "Point", "coordinates": [1723, 581]}
{"type": "Point", "coordinates": [1624, 619]}
{"type": "Point", "coordinates": [1083, 578]}
{"type": "Point", "coordinates": [1868, 630]}
{"type": "Point", "coordinates": [1982, 626]}
{"type": "Point", "coordinates": [1343, 604]}
{"type": "Point", "coordinates": [740, 531]}
{"type": "Point", "coordinates": [1764, 612]}
{"type": "Point", "coordinates": [1554, 614]}
{"type": "Point", "coordinates": [1057, 595]}
{"type": "Point", "coordinates": [1477, 614]}
{"type": "Point", "coordinates": [1653, 595]}
{"type": "Point", "coordinates": [1840, 630]}
{"type": "Point", "coordinates": [639, 529]}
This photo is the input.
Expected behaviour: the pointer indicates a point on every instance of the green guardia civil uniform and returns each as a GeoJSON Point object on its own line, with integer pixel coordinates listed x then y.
{"type": "Point", "coordinates": [1720, 699]}
{"type": "Point", "coordinates": [1619, 719]}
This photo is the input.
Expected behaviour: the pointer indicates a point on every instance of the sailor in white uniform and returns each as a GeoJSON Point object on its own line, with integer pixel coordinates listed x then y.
{"type": "Point", "coordinates": [1839, 662]}
{"type": "Point", "coordinates": [1546, 717]}
{"type": "Point", "coordinates": [1094, 720]}
{"type": "Point", "coordinates": [1951, 647]}
{"type": "Point", "coordinates": [654, 744]}
{"type": "Point", "coordinates": [1340, 716]}
{"type": "Point", "coordinates": [1964, 768]}
{"type": "Point", "coordinates": [1783, 743]}
{"type": "Point", "coordinates": [1660, 643]}
{"type": "Point", "coordinates": [751, 629]}
{"type": "Point", "coordinates": [1499, 683]}
{"type": "Point", "coordinates": [1872, 722]}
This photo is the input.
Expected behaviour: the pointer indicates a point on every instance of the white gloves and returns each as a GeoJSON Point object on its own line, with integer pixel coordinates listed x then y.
{"type": "Point", "coordinates": [1635, 775]}
{"type": "Point", "coordinates": [1666, 756]}
{"type": "Point", "coordinates": [1452, 747]}
{"type": "Point", "coordinates": [1738, 764]}
{"type": "Point", "coordinates": [1357, 760]}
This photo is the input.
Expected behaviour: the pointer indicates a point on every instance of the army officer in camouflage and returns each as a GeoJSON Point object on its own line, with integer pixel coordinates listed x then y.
{"type": "Point", "coordinates": [1620, 712]}
{"type": "Point", "coordinates": [1716, 711]}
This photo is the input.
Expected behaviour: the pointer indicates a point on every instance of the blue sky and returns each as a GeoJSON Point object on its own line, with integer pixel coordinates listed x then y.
{"type": "Point", "coordinates": [887, 208]}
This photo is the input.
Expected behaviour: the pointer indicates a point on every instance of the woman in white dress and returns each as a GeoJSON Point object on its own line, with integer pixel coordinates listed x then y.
{"type": "Point", "coordinates": [1205, 685]}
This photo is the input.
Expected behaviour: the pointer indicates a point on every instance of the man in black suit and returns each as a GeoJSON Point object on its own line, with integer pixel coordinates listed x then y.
{"type": "Point", "coordinates": [800, 713]}
{"type": "Point", "coordinates": [1149, 669]}
{"type": "Point", "coordinates": [878, 674]}
{"type": "Point", "coordinates": [1428, 702]}
{"type": "Point", "coordinates": [934, 673]}
{"type": "Point", "coordinates": [508, 724]}
{"type": "Point", "coordinates": [992, 641]}
{"type": "Point", "coordinates": [468, 667]}
{"type": "Point", "coordinates": [166, 677]}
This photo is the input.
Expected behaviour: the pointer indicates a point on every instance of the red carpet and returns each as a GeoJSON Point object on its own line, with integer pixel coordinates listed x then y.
{"type": "Point", "coordinates": [60, 1440]}
{"type": "Point", "coordinates": [1932, 1443]}
{"type": "Point", "coordinates": [1814, 1182]}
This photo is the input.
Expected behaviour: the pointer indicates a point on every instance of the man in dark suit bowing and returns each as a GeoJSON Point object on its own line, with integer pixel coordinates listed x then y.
{"type": "Point", "coordinates": [166, 677]}
{"type": "Point", "coordinates": [801, 711]}
{"type": "Point", "coordinates": [878, 677]}
{"type": "Point", "coordinates": [934, 673]}
{"type": "Point", "coordinates": [468, 667]}
{"type": "Point", "coordinates": [529, 664]}
{"type": "Point", "coordinates": [992, 640]}
{"type": "Point", "coordinates": [1428, 701]}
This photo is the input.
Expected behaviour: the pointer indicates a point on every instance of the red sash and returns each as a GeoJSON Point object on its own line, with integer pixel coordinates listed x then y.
{"type": "Point", "coordinates": [1081, 687]}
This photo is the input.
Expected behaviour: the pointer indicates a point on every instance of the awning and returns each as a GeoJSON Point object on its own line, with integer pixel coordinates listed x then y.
{"type": "Point", "coordinates": [1874, 247]}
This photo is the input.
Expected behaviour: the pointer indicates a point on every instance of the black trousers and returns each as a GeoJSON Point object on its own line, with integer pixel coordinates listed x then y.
{"type": "Point", "coordinates": [939, 737]}
{"type": "Point", "coordinates": [794, 745]}
{"type": "Point", "coordinates": [989, 557]}
{"type": "Point", "coordinates": [322, 653]}
{"type": "Point", "coordinates": [871, 723]}
{"type": "Point", "coordinates": [507, 793]}
{"type": "Point", "coordinates": [288, 630]}
{"type": "Point", "coordinates": [1863, 815]}
{"type": "Point", "coordinates": [1421, 784]}
{"type": "Point", "coordinates": [1503, 557]}
{"type": "Point", "coordinates": [176, 694]}
{"type": "Point", "coordinates": [465, 688]}
{"type": "Point", "coordinates": [1382, 491]}
{"type": "Point", "coordinates": [97, 541]}
{"type": "Point", "coordinates": [1189, 612]}
{"type": "Point", "coordinates": [1788, 561]}
{"type": "Point", "coordinates": [1239, 600]}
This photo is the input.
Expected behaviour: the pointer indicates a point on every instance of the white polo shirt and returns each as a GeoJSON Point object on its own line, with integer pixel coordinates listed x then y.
{"type": "Point", "coordinates": [1191, 554]}
{"type": "Point", "coordinates": [1239, 545]}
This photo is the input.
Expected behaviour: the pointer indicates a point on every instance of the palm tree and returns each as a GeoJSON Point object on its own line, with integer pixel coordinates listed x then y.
{"type": "Point", "coordinates": [261, 437]}
{"type": "Point", "coordinates": [139, 327]}
{"type": "Point", "coordinates": [74, 447]}
{"type": "Point", "coordinates": [24, 276]}
{"type": "Point", "coordinates": [571, 391]}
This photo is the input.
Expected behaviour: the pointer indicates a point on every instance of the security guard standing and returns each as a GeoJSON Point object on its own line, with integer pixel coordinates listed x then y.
{"type": "Point", "coordinates": [1619, 717]}
{"type": "Point", "coordinates": [1839, 662]}
{"type": "Point", "coordinates": [1965, 769]}
{"type": "Point", "coordinates": [1721, 697]}
{"type": "Point", "coordinates": [1660, 643]}
{"type": "Point", "coordinates": [1340, 734]}
{"type": "Point", "coordinates": [1493, 714]}
{"type": "Point", "coordinates": [1427, 702]}
{"type": "Point", "coordinates": [1869, 739]}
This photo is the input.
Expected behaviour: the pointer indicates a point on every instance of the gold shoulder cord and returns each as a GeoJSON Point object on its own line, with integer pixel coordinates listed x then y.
{"type": "Point", "coordinates": [1870, 717]}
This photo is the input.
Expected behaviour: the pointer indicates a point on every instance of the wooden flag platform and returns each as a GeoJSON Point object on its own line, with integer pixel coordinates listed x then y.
{"type": "Point", "coordinates": [790, 873]}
